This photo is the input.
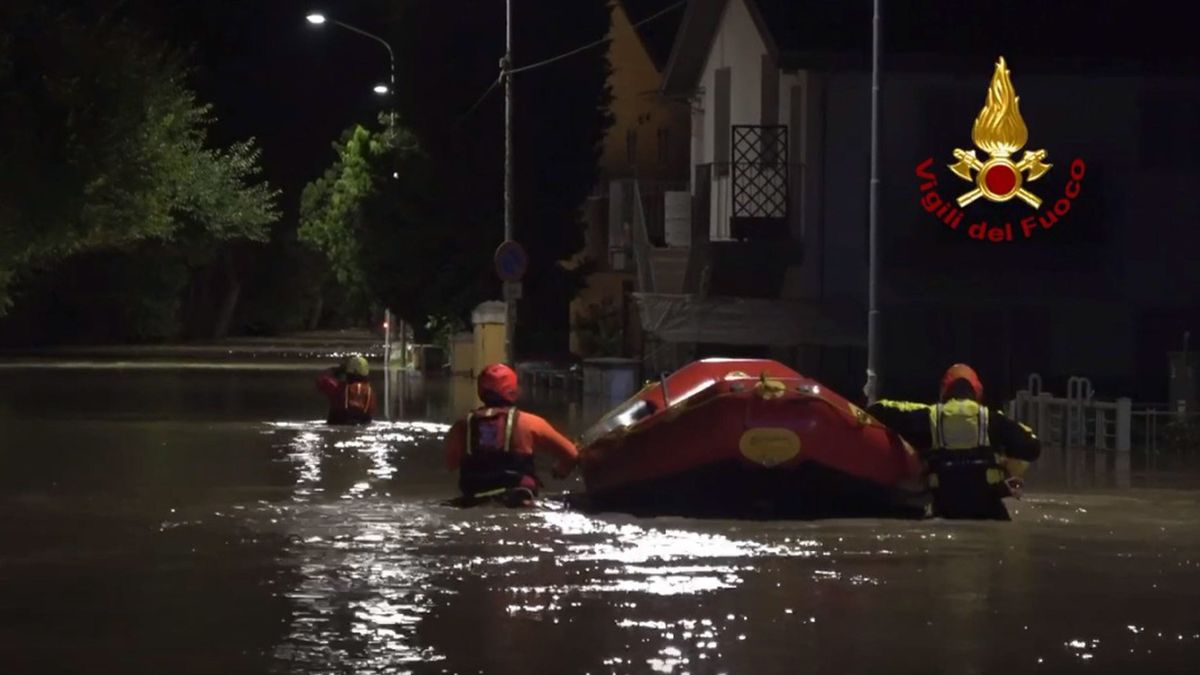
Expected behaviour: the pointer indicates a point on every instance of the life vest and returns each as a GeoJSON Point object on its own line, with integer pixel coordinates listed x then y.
{"type": "Point", "coordinates": [491, 462]}
{"type": "Point", "coordinates": [358, 398]}
{"type": "Point", "coordinates": [960, 442]}
{"type": "Point", "coordinates": [352, 404]}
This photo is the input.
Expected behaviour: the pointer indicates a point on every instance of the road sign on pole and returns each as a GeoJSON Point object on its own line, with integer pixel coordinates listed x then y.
{"type": "Point", "coordinates": [511, 261]}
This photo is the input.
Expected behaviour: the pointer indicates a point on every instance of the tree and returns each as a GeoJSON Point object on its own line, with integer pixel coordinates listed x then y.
{"type": "Point", "coordinates": [331, 206]}
{"type": "Point", "coordinates": [106, 147]}
{"type": "Point", "coordinates": [377, 217]}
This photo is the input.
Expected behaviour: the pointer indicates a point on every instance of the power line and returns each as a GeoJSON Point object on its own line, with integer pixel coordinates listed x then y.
{"type": "Point", "coordinates": [597, 42]}
{"type": "Point", "coordinates": [480, 100]}
{"type": "Point", "coordinates": [564, 55]}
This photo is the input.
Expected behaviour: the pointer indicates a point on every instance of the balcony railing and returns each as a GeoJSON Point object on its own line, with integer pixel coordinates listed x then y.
{"type": "Point", "coordinates": [760, 220]}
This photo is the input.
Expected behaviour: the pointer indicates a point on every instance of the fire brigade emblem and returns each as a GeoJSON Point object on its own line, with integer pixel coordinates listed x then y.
{"type": "Point", "coordinates": [1000, 132]}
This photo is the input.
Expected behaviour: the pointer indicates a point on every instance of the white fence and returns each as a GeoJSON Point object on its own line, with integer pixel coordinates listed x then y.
{"type": "Point", "coordinates": [1108, 431]}
{"type": "Point", "coordinates": [1077, 421]}
{"type": "Point", "coordinates": [1080, 435]}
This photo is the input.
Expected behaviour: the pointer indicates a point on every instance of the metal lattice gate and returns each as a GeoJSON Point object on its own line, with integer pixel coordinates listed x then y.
{"type": "Point", "coordinates": [760, 182]}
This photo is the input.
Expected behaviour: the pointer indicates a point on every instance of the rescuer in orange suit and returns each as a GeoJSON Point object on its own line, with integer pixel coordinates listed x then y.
{"type": "Point", "coordinates": [976, 455]}
{"type": "Point", "coordinates": [493, 448]}
{"type": "Point", "coordinates": [348, 388]}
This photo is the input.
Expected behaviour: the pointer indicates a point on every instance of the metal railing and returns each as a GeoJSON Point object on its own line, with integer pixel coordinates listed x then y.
{"type": "Point", "coordinates": [1152, 434]}
{"type": "Point", "coordinates": [652, 198]}
{"type": "Point", "coordinates": [641, 242]}
{"type": "Point", "coordinates": [1077, 430]}
{"type": "Point", "coordinates": [714, 180]}
{"type": "Point", "coordinates": [1077, 421]}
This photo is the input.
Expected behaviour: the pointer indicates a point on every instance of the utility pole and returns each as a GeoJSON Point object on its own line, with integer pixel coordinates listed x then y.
{"type": "Point", "coordinates": [506, 72]}
{"type": "Point", "coordinates": [872, 388]}
{"type": "Point", "coordinates": [387, 364]}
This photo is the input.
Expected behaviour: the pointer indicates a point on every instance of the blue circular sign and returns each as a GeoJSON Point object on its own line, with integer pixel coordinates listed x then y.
{"type": "Point", "coordinates": [511, 261]}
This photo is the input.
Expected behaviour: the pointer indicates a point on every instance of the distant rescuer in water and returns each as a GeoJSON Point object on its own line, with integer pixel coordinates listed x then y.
{"type": "Point", "coordinates": [351, 399]}
{"type": "Point", "coordinates": [976, 455]}
{"type": "Point", "coordinates": [493, 448]}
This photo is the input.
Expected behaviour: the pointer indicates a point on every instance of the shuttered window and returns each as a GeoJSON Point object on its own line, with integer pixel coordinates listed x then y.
{"type": "Point", "coordinates": [721, 131]}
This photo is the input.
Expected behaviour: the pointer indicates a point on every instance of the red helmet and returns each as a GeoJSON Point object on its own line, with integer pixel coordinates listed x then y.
{"type": "Point", "coordinates": [498, 381]}
{"type": "Point", "coordinates": [961, 371]}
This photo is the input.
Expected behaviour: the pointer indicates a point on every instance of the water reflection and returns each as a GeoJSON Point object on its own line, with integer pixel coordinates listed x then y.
{"type": "Point", "coordinates": [361, 590]}
{"type": "Point", "coordinates": [217, 541]}
{"type": "Point", "coordinates": [388, 576]}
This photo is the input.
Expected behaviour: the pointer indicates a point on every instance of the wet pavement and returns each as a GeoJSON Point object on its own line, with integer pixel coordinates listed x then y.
{"type": "Point", "coordinates": [205, 521]}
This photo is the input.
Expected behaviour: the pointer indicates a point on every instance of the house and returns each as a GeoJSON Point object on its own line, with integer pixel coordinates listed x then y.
{"type": "Point", "coordinates": [780, 156]}
{"type": "Point", "coordinates": [646, 147]}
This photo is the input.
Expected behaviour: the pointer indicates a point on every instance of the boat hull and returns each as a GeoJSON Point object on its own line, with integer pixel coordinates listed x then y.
{"type": "Point", "coordinates": [732, 443]}
{"type": "Point", "coordinates": [735, 489]}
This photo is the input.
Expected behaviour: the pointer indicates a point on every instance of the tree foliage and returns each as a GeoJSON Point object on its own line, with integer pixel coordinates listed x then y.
{"type": "Point", "coordinates": [331, 207]}
{"type": "Point", "coordinates": [105, 146]}
{"type": "Point", "coordinates": [373, 215]}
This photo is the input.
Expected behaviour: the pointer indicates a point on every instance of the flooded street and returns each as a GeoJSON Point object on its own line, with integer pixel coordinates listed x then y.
{"type": "Point", "coordinates": [206, 521]}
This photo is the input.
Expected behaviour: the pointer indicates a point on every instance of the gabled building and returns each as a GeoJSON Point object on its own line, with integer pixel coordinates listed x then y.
{"type": "Point", "coordinates": [780, 154]}
{"type": "Point", "coordinates": [644, 157]}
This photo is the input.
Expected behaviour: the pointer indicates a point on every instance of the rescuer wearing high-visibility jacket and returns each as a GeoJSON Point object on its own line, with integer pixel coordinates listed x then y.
{"type": "Point", "coordinates": [976, 455]}
{"type": "Point", "coordinates": [493, 448]}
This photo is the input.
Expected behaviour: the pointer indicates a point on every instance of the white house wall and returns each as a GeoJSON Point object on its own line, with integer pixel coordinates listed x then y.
{"type": "Point", "coordinates": [738, 46]}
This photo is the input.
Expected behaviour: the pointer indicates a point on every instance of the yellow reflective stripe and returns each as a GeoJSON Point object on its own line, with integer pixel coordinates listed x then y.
{"type": "Point", "coordinates": [934, 433]}
{"type": "Point", "coordinates": [903, 405]}
{"type": "Point", "coordinates": [490, 493]}
{"type": "Point", "coordinates": [508, 428]}
{"type": "Point", "coordinates": [983, 427]}
{"type": "Point", "coordinates": [958, 425]}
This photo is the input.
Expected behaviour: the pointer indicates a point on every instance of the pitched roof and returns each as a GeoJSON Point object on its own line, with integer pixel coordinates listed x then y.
{"type": "Point", "coordinates": [656, 35]}
{"type": "Point", "coordinates": [1063, 36]}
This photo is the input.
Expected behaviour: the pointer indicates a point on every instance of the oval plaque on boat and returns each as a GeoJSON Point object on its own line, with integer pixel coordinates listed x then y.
{"type": "Point", "coordinates": [769, 445]}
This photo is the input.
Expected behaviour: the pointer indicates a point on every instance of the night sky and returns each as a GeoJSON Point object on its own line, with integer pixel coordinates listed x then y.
{"type": "Point", "coordinates": [272, 75]}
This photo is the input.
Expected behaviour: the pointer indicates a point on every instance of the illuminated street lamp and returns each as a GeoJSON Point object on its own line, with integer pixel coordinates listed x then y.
{"type": "Point", "coordinates": [316, 18]}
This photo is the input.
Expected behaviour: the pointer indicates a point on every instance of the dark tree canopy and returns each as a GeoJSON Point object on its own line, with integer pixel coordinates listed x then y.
{"type": "Point", "coordinates": [105, 147]}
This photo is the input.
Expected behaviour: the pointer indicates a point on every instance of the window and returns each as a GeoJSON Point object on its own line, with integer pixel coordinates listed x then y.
{"type": "Point", "coordinates": [623, 417]}
{"type": "Point", "coordinates": [770, 91]}
{"type": "Point", "coordinates": [664, 150]}
{"type": "Point", "coordinates": [721, 131]}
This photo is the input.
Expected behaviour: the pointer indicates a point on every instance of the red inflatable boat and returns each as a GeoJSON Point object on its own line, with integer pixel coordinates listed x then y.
{"type": "Point", "coordinates": [747, 438]}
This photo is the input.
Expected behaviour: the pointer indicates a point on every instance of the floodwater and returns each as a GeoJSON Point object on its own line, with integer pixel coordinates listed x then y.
{"type": "Point", "coordinates": [204, 521]}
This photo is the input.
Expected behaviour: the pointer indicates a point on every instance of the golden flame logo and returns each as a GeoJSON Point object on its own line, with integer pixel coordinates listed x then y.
{"type": "Point", "coordinates": [999, 131]}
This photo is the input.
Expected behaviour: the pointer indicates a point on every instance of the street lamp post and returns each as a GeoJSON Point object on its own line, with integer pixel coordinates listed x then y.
{"type": "Point", "coordinates": [506, 73]}
{"type": "Point", "coordinates": [872, 388]}
{"type": "Point", "coordinates": [318, 19]}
